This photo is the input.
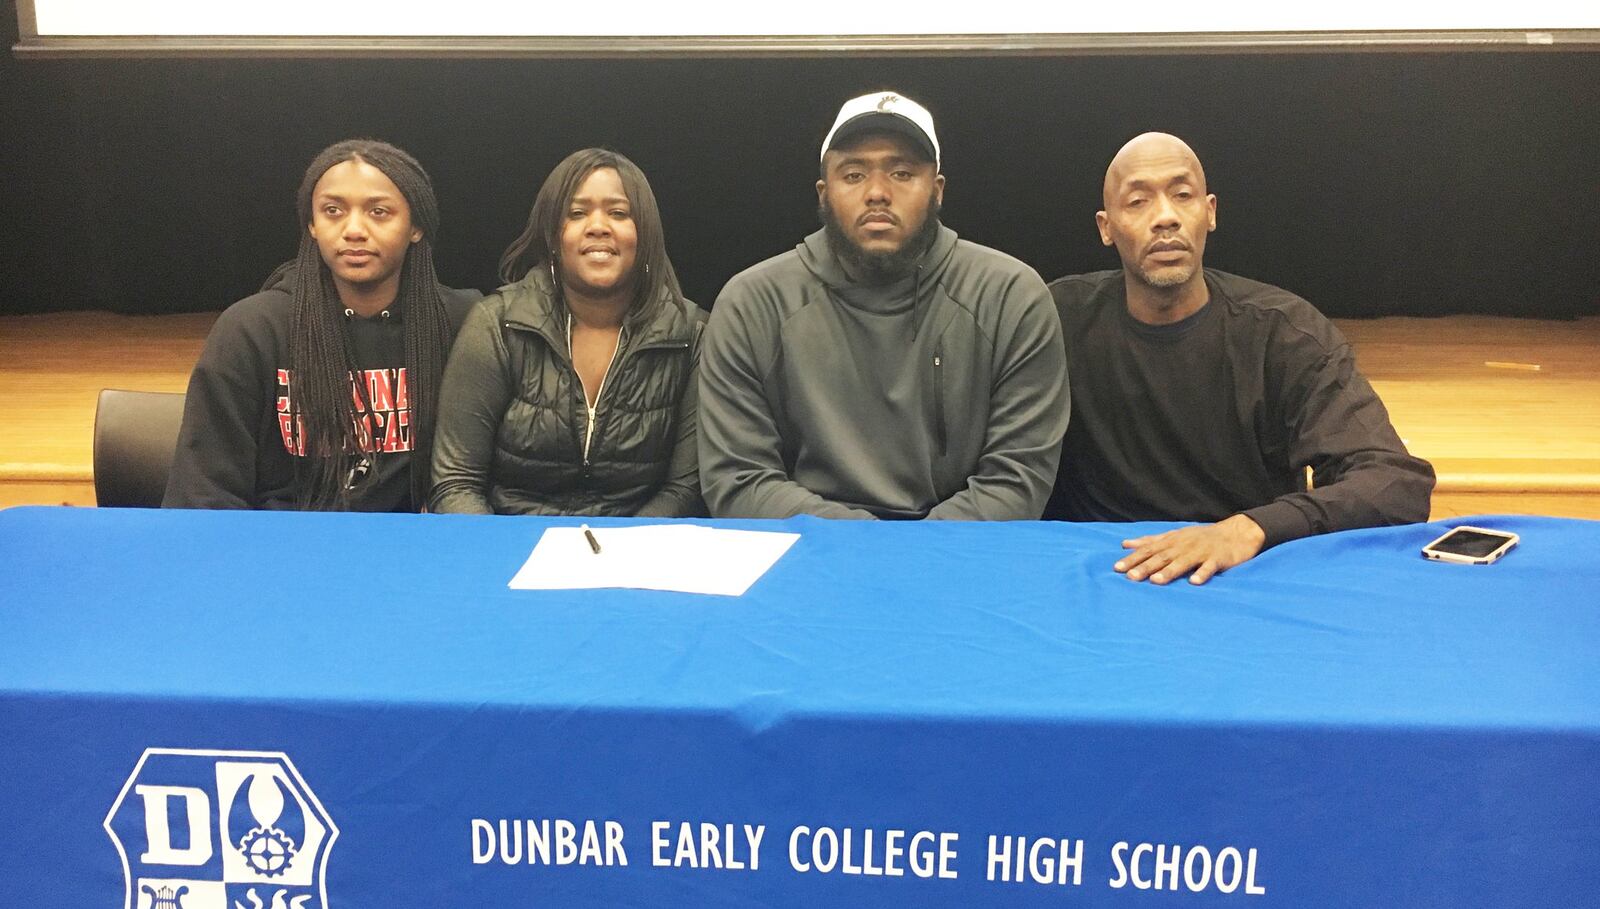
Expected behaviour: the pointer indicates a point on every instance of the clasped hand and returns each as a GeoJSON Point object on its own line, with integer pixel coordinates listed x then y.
{"type": "Point", "coordinates": [1203, 549]}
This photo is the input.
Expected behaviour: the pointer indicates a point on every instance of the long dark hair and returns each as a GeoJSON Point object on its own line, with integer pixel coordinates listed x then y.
{"type": "Point", "coordinates": [539, 244]}
{"type": "Point", "coordinates": [320, 350]}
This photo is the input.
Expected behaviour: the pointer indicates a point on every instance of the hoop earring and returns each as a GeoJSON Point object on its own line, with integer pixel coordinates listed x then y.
{"type": "Point", "coordinates": [647, 268]}
{"type": "Point", "coordinates": [553, 282]}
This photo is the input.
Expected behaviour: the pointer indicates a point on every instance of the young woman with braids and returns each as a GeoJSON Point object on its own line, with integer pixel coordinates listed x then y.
{"type": "Point", "coordinates": [572, 389]}
{"type": "Point", "coordinates": [315, 392]}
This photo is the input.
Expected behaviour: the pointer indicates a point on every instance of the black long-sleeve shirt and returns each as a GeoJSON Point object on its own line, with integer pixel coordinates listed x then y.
{"type": "Point", "coordinates": [1219, 414]}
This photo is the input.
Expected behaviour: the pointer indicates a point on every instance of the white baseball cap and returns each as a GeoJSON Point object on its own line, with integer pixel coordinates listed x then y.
{"type": "Point", "coordinates": [885, 111]}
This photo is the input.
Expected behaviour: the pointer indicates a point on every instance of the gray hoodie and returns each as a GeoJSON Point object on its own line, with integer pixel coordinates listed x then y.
{"type": "Point", "coordinates": [942, 396]}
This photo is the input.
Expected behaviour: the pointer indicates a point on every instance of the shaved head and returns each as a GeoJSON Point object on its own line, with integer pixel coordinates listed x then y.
{"type": "Point", "coordinates": [1157, 214]}
{"type": "Point", "coordinates": [1151, 151]}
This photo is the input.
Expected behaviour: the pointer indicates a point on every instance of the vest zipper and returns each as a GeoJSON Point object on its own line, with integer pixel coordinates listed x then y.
{"type": "Point", "coordinates": [588, 435]}
{"type": "Point", "coordinates": [594, 409]}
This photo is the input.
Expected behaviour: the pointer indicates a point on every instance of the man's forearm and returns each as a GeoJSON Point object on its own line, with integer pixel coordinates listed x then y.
{"type": "Point", "coordinates": [766, 493]}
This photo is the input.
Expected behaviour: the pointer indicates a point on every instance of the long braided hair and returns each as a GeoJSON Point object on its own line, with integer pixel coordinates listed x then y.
{"type": "Point", "coordinates": [321, 353]}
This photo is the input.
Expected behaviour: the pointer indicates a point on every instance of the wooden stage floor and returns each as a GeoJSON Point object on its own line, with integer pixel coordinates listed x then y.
{"type": "Point", "coordinates": [1505, 437]}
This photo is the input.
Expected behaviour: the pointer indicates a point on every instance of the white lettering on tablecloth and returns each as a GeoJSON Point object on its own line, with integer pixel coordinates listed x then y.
{"type": "Point", "coordinates": [706, 845]}
{"type": "Point", "coordinates": [1199, 870]}
{"type": "Point", "coordinates": [547, 841]}
{"type": "Point", "coordinates": [868, 852]}
{"type": "Point", "coordinates": [932, 855]}
{"type": "Point", "coordinates": [1042, 861]}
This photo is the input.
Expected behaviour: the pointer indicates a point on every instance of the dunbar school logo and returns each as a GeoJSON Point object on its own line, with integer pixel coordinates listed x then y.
{"type": "Point", "coordinates": [220, 830]}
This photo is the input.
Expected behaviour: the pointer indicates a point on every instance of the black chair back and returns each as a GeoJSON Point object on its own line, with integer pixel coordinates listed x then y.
{"type": "Point", "coordinates": [135, 435]}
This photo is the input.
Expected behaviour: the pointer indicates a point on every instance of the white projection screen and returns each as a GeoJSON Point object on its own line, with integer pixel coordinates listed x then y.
{"type": "Point", "coordinates": [646, 27]}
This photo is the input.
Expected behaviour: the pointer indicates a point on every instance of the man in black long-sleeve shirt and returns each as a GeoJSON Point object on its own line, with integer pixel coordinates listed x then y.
{"type": "Point", "coordinates": [1202, 396]}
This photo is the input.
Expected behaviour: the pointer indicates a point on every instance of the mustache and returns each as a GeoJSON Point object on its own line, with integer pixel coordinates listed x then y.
{"type": "Point", "coordinates": [886, 266]}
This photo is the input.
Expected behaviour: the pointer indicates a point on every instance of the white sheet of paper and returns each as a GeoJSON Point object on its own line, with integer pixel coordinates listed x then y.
{"type": "Point", "coordinates": [684, 557]}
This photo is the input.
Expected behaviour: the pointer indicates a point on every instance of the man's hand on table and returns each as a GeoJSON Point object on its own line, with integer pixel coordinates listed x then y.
{"type": "Point", "coordinates": [1203, 549]}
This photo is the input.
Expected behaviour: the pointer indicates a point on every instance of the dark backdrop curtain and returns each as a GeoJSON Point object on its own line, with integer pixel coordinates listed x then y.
{"type": "Point", "coordinates": [1371, 184]}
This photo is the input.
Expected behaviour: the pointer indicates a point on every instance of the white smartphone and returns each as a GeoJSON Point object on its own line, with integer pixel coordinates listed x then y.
{"type": "Point", "coordinates": [1471, 546]}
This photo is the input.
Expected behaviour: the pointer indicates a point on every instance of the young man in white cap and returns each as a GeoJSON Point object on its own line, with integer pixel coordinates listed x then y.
{"type": "Point", "coordinates": [882, 368]}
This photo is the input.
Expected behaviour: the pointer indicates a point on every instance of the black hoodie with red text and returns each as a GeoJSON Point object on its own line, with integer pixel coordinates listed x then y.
{"type": "Point", "coordinates": [235, 449]}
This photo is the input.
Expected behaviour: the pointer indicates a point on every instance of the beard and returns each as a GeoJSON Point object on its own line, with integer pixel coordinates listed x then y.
{"type": "Point", "coordinates": [1167, 278]}
{"type": "Point", "coordinates": [880, 267]}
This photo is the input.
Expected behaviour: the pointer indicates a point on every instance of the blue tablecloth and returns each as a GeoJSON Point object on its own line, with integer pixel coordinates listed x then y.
{"type": "Point", "coordinates": [282, 711]}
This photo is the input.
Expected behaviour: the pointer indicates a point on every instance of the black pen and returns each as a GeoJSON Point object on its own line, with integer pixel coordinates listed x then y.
{"type": "Point", "coordinates": [593, 543]}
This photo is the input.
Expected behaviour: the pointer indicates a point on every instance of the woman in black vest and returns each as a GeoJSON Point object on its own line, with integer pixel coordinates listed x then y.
{"type": "Point", "coordinates": [572, 389]}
